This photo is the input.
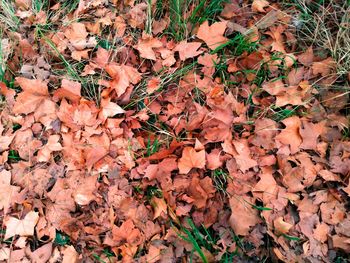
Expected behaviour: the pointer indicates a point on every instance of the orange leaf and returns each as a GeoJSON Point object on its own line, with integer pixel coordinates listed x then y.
{"type": "Point", "coordinates": [281, 226]}
{"type": "Point", "coordinates": [153, 85]}
{"type": "Point", "coordinates": [122, 76]}
{"type": "Point", "coordinates": [188, 50]}
{"type": "Point", "coordinates": [52, 145]}
{"type": "Point", "coordinates": [69, 90]}
{"type": "Point", "coordinates": [191, 159]}
{"type": "Point", "coordinates": [146, 45]}
{"type": "Point", "coordinates": [109, 109]}
{"type": "Point", "coordinates": [34, 92]}
{"type": "Point", "coordinates": [159, 206]}
{"type": "Point", "coordinates": [212, 35]}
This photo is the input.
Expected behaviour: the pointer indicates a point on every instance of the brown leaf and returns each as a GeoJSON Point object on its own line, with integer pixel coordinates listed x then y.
{"type": "Point", "coordinates": [290, 135]}
{"type": "Point", "coordinates": [24, 227]}
{"type": "Point", "coordinates": [243, 215]}
{"type": "Point", "coordinates": [259, 5]}
{"type": "Point", "coordinates": [153, 85]}
{"type": "Point", "coordinates": [243, 159]}
{"type": "Point", "coordinates": [70, 255]}
{"type": "Point", "coordinates": [191, 159]}
{"type": "Point", "coordinates": [7, 191]}
{"type": "Point", "coordinates": [42, 254]}
{"type": "Point", "coordinates": [324, 67]}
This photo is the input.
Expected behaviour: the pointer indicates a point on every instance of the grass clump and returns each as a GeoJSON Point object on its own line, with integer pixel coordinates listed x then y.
{"type": "Point", "coordinates": [326, 26]}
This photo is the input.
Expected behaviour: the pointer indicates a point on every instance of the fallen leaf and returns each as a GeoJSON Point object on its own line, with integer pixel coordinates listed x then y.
{"type": "Point", "coordinates": [243, 159]}
{"type": "Point", "coordinates": [42, 254]}
{"type": "Point", "coordinates": [281, 226]}
{"type": "Point", "coordinates": [24, 227]}
{"type": "Point", "coordinates": [34, 93]}
{"type": "Point", "coordinates": [212, 35]}
{"type": "Point", "coordinates": [191, 159]}
{"type": "Point", "coordinates": [188, 50]}
{"type": "Point", "coordinates": [7, 191]}
{"type": "Point", "coordinates": [243, 216]}
{"type": "Point", "coordinates": [153, 85]}
{"type": "Point", "coordinates": [290, 135]}
{"type": "Point", "coordinates": [69, 90]}
{"type": "Point", "coordinates": [259, 5]}
{"type": "Point", "coordinates": [70, 255]}
{"type": "Point", "coordinates": [146, 45]}
{"type": "Point", "coordinates": [109, 109]}
{"type": "Point", "coordinates": [341, 242]}
{"type": "Point", "coordinates": [122, 76]}
{"type": "Point", "coordinates": [159, 206]}
{"type": "Point", "coordinates": [324, 67]}
{"type": "Point", "coordinates": [52, 145]}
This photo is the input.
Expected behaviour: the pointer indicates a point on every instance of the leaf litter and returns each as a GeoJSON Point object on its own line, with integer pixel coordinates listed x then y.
{"type": "Point", "coordinates": [122, 141]}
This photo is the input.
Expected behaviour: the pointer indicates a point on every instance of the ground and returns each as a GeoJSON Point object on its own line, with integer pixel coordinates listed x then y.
{"type": "Point", "coordinates": [174, 131]}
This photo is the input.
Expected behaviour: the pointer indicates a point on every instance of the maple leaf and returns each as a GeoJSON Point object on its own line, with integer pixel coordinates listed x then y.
{"type": "Point", "coordinates": [278, 40]}
{"type": "Point", "coordinates": [243, 215]}
{"type": "Point", "coordinates": [243, 159]}
{"type": "Point", "coordinates": [259, 5]}
{"type": "Point", "coordinates": [324, 67]}
{"type": "Point", "coordinates": [70, 90]}
{"type": "Point", "coordinates": [7, 191]}
{"type": "Point", "coordinates": [188, 50]}
{"type": "Point", "coordinates": [109, 109]}
{"type": "Point", "coordinates": [24, 227]}
{"type": "Point", "coordinates": [42, 254]}
{"type": "Point", "coordinates": [191, 159]}
{"type": "Point", "coordinates": [212, 35]}
{"type": "Point", "coordinates": [213, 159]}
{"type": "Point", "coordinates": [274, 87]}
{"type": "Point", "coordinates": [265, 132]}
{"type": "Point", "coordinates": [84, 193]}
{"type": "Point", "coordinates": [291, 95]}
{"type": "Point", "coordinates": [146, 45]}
{"type": "Point", "coordinates": [200, 190]}
{"type": "Point", "coordinates": [307, 57]}
{"type": "Point", "coordinates": [35, 91]}
{"type": "Point", "coordinates": [122, 76]}
{"type": "Point", "coordinates": [290, 135]}
{"type": "Point", "coordinates": [309, 133]}
{"type": "Point", "coordinates": [52, 145]}
{"type": "Point", "coordinates": [76, 33]}
{"type": "Point", "coordinates": [159, 206]}
{"type": "Point", "coordinates": [153, 85]}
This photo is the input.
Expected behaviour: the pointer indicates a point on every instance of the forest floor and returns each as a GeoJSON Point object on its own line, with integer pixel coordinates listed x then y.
{"type": "Point", "coordinates": [174, 131]}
